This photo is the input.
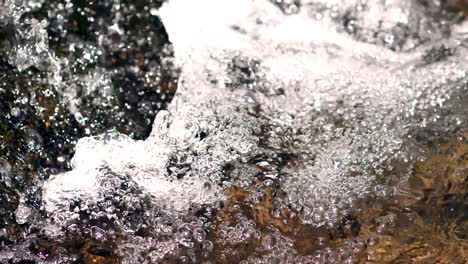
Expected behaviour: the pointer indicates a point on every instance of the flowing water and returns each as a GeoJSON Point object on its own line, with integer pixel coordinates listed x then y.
{"type": "Point", "coordinates": [222, 131]}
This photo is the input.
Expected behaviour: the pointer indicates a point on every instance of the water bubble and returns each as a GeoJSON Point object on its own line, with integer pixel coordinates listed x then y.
{"type": "Point", "coordinates": [199, 235]}
{"type": "Point", "coordinates": [269, 241]}
{"type": "Point", "coordinates": [22, 214]}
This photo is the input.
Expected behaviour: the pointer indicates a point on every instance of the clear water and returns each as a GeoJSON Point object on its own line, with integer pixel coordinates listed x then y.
{"type": "Point", "coordinates": [300, 132]}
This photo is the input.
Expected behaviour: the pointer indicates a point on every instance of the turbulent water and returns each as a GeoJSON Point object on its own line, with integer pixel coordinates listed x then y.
{"type": "Point", "coordinates": [291, 120]}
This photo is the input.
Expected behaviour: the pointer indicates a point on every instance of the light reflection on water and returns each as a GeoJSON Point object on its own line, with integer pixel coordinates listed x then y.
{"type": "Point", "coordinates": [316, 132]}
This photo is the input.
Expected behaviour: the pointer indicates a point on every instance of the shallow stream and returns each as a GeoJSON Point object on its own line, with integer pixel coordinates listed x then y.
{"type": "Point", "coordinates": [233, 131]}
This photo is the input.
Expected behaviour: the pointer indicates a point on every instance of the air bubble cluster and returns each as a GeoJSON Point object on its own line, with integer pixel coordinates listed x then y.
{"type": "Point", "coordinates": [287, 124]}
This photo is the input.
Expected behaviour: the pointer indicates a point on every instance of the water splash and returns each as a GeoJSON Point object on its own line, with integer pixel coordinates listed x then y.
{"type": "Point", "coordinates": [300, 113]}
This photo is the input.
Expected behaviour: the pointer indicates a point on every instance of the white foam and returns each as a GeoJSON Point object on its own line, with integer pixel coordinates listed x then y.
{"type": "Point", "coordinates": [344, 107]}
